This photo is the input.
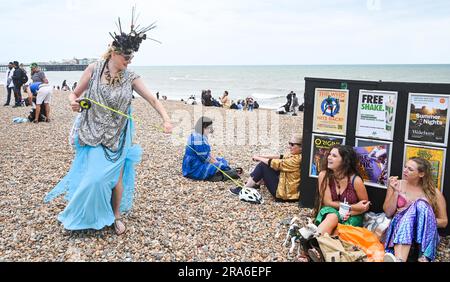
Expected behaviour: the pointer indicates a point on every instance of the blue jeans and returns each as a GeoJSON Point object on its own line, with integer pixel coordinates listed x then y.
{"type": "Point", "coordinates": [271, 177]}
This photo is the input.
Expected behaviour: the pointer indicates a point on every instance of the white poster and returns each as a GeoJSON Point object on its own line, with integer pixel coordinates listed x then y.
{"type": "Point", "coordinates": [376, 114]}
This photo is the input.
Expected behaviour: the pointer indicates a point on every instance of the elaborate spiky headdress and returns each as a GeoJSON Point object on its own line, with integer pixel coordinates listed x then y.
{"type": "Point", "coordinates": [129, 43]}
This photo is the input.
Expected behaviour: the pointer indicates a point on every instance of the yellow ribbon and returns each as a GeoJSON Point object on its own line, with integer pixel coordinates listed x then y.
{"type": "Point", "coordinates": [162, 130]}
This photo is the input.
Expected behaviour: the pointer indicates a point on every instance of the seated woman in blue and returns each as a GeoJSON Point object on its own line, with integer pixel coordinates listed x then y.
{"type": "Point", "coordinates": [198, 162]}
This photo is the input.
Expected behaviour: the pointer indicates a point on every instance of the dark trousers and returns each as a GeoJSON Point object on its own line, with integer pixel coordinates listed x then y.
{"type": "Point", "coordinates": [270, 176]}
{"type": "Point", "coordinates": [18, 94]}
{"type": "Point", "coordinates": [8, 98]}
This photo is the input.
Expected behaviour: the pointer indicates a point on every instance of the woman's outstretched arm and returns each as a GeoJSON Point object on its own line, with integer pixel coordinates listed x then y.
{"type": "Point", "coordinates": [140, 87]}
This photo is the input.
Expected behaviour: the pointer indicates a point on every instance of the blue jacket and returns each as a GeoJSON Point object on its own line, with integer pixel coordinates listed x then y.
{"type": "Point", "coordinates": [196, 164]}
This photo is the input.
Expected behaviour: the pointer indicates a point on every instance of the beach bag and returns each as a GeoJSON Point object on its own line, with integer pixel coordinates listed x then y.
{"type": "Point", "coordinates": [363, 239]}
{"type": "Point", "coordinates": [335, 250]}
{"type": "Point", "coordinates": [377, 223]}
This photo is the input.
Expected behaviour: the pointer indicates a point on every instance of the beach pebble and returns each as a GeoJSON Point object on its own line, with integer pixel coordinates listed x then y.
{"type": "Point", "coordinates": [173, 218]}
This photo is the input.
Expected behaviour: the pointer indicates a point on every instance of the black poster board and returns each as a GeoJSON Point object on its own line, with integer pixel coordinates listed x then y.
{"type": "Point", "coordinates": [308, 185]}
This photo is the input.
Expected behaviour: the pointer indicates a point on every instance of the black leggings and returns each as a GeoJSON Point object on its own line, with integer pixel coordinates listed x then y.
{"type": "Point", "coordinates": [271, 177]}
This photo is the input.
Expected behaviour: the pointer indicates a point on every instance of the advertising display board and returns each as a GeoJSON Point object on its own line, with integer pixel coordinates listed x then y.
{"type": "Point", "coordinates": [428, 119]}
{"type": "Point", "coordinates": [330, 111]}
{"type": "Point", "coordinates": [374, 161]}
{"type": "Point", "coordinates": [321, 145]}
{"type": "Point", "coordinates": [376, 114]}
{"type": "Point", "coordinates": [436, 157]}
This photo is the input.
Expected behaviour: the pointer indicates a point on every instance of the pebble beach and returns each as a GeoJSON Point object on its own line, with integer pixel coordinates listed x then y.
{"type": "Point", "coordinates": [173, 219]}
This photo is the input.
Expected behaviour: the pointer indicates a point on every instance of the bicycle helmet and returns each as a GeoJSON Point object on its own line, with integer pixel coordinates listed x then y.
{"type": "Point", "coordinates": [250, 195]}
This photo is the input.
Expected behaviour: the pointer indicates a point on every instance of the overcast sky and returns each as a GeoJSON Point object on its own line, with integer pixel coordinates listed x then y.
{"type": "Point", "coordinates": [233, 32]}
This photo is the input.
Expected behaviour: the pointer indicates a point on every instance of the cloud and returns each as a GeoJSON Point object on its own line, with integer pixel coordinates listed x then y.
{"type": "Point", "coordinates": [205, 32]}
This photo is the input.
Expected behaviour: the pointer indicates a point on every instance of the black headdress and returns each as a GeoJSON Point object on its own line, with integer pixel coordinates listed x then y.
{"type": "Point", "coordinates": [129, 43]}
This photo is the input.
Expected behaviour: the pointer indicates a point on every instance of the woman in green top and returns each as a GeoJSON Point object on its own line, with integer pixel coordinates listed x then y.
{"type": "Point", "coordinates": [339, 183]}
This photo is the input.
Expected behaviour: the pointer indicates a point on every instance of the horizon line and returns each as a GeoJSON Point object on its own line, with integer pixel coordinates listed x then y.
{"type": "Point", "coordinates": [294, 65]}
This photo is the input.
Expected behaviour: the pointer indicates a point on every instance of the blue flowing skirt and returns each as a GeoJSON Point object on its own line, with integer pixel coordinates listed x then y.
{"type": "Point", "coordinates": [89, 185]}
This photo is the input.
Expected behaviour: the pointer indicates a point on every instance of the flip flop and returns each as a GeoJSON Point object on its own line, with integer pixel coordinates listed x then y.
{"type": "Point", "coordinates": [116, 226]}
{"type": "Point", "coordinates": [239, 170]}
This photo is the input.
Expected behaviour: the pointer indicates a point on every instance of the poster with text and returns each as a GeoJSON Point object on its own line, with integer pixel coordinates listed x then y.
{"type": "Point", "coordinates": [330, 111]}
{"type": "Point", "coordinates": [320, 147]}
{"type": "Point", "coordinates": [436, 157]}
{"type": "Point", "coordinates": [374, 163]}
{"type": "Point", "coordinates": [428, 119]}
{"type": "Point", "coordinates": [376, 114]}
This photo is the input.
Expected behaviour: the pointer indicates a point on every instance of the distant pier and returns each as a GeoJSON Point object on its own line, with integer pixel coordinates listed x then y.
{"type": "Point", "coordinates": [4, 68]}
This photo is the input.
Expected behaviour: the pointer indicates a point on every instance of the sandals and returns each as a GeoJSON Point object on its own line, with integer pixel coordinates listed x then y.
{"type": "Point", "coordinates": [117, 223]}
{"type": "Point", "coordinates": [239, 170]}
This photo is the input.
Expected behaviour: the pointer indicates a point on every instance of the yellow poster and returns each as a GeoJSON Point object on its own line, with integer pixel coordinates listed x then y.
{"type": "Point", "coordinates": [435, 156]}
{"type": "Point", "coordinates": [330, 111]}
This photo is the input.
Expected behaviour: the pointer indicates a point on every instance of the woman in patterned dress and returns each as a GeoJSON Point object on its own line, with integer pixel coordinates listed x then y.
{"type": "Point", "coordinates": [100, 184]}
{"type": "Point", "coordinates": [418, 210]}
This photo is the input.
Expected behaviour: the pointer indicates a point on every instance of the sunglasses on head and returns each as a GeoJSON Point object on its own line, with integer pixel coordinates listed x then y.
{"type": "Point", "coordinates": [293, 144]}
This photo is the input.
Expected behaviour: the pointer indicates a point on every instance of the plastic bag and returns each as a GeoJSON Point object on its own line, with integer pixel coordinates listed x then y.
{"type": "Point", "coordinates": [364, 239]}
{"type": "Point", "coordinates": [74, 130]}
{"type": "Point", "coordinates": [377, 223]}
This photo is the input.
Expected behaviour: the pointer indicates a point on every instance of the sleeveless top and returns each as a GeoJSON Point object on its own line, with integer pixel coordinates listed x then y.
{"type": "Point", "coordinates": [348, 195]}
{"type": "Point", "coordinates": [99, 126]}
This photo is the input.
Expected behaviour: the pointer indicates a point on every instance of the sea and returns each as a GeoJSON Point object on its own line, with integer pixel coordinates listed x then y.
{"type": "Point", "coordinates": [269, 85]}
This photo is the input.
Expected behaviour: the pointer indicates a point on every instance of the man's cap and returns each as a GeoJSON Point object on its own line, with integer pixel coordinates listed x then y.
{"type": "Point", "coordinates": [33, 65]}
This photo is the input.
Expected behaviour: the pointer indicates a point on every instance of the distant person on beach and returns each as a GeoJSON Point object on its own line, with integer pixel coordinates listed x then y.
{"type": "Point", "coordinates": [199, 163]}
{"type": "Point", "coordinates": [74, 86]}
{"type": "Point", "coordinates": [42, 94]}
{"type": "Point", "coordinates": [289, 101]}
{"type": "Point", "coordinates": [233, 106]}
{"type": "Point", "coordinates": [280, 173]}
{"type": "Point", "coordinates": [339, 183]}
{"type": "Point", "coordinates": [294, 105]}
{"type": "Point", "coordinates": [9, 84]}
{"type": "Point", "coordinates": [191, 100]}
{"type": "Point", "coordinates": [100, 184]}
{"type": "Point", "coordinates": [417, 209]}
{"type": "Point", "coordinates": [37, 75]}
{"type": "Point", "coordinates": [216, 103]}
{"type": "Point", "coordinates": [157, 95]}
{"type": "Point", "coordinates": [240, 105]}
{"type": "Point", "coordinates": [19, 78]}
{"type": "Point", "coordinates": [250, 104]}
{"type": "Point", "coordinates": [225, 100]}
{"type": "Point", "coordinates": [207, 100]}
{"type": "Point", "coordinates": [64, 86]}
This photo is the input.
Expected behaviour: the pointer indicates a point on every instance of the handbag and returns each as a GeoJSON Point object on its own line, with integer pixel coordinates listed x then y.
{"type": "Point", "coordinates": [377, 223]}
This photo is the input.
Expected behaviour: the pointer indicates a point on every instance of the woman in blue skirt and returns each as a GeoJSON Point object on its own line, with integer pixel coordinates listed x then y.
{"type": "Point", "coordinates": [100, 184]}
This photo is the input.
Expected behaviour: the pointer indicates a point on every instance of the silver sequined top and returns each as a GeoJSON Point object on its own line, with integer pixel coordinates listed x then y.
{"type": "Point", "coordinates": [99, 126]}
